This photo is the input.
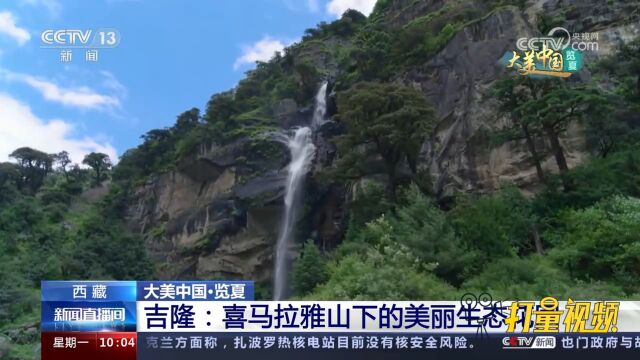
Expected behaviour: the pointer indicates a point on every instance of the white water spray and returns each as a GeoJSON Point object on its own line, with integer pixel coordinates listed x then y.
{"type": "Point", "coordinates": [302, 150]}
{"type": "Point", "coordinates": [320, 111]}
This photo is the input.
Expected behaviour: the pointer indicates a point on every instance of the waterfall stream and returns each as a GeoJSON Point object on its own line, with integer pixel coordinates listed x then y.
{"type": "Point", "coordinates": [320, 110]}
{"type": "Point", "coordinates": [300, 144]}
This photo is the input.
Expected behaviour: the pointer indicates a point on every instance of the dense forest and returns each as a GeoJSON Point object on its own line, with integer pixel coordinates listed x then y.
{"type": "Point", "coordinates": [574, 231]}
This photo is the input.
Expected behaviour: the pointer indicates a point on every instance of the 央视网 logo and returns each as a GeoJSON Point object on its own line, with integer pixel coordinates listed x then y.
{"type": "Point", "coordinates": [559, 54]}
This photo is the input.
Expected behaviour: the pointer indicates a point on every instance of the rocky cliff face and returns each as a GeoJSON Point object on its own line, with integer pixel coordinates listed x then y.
{"type": "Point", "coordinates": [209, 219]}
{"type": "Point", "coordinates": [198, 223]}
{"type": "Point", "coordinates": [458, 80]}
{"type": "Point", "coordinates": [213, 217]}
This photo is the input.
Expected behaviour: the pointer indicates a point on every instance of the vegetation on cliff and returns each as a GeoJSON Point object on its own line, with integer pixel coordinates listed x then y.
{"type": "Point", "coordinates": [577, 237]}
{"type": "Point", "coordinates": [51, 228]}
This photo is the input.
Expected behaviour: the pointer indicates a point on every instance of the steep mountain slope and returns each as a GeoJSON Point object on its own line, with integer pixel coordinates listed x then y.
{"type": "Point", "coordinates": [216, 213]}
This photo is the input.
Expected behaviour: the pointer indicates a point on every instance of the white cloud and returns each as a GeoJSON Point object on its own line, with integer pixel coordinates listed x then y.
{"type": "Point", "coordinates": [110, 82]}
{"type": "Point", "coordinates": [338, 7]}
{"type": "Point", "coordinates": [262, 50]}
{"type": "Point", "coordinates": [20, 127]}
{"type": "Point", "coordinates": [80, 97]}
{"type": "Point", "coordinates": [52, 6]}
{"type": "Point", "coordinates": [8, 27]}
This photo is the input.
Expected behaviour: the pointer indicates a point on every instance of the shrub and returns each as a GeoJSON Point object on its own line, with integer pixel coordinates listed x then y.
{"type": "Point", "coordinates": [423, 228]}
{"type": "Point", "coordinates": [617, 174]}
{"type": "Point", "coordinates": [601, 241]}
{"type": "Point", "coordinates": [533, 277]}
{"type": "Point", "coordinates": [309, 270]}
{"type": "Point", "coordinates": [377, 276]}
{"type": "Point", "coordinates": [497, 225]}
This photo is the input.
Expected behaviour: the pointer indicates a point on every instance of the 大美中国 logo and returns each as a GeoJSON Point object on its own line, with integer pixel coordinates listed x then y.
{"type": "Point", "coordinates": [559, 54]}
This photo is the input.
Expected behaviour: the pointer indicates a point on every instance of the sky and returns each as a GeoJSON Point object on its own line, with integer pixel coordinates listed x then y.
{"type": "Point", "coordinates": [172, 55]}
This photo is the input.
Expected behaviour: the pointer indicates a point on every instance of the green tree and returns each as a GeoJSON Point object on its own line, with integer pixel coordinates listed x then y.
{"type": "Point", "coordinates": [78, 173]}
{"type": "Point", "coordinates": [381, 271]}
{"type": "Point", "coordinates": [34, 167]}
{"type": "Point", "coordinates": [600, 178]}
{"type": "Point", "coordinates": [418, 226]}
{"type": "Point", "coordinates": [372, 276]}
{"type": "Point", "coordinates": [102, 248]}
{"type": "Point", "coordinates": [219, 113]}
{"type": "Point", "coordinates": [394, 119]}
{"type": "Point", "coordinates": [371, 55]}
{"type": "Point", "coordinates": [607, 130]}
{"type": "Point", "coordinates": [533, 277]}
{"type": "Point", "coordinates": [309, 270]}
{"type": "Point", "coordinates": [63, 161]}
{"type": "Point", "coordinates": [601, 241]}
{"type": "Point", "coordinates": [368, 203]}
{"type": "Point", "coordinates": [510, 92]}
{"type": "Point", "coordinates": [612, 127]}
{"type": "Point", "coordinates": [9, 172]}
{"type": "Point", "coordinates": [624, 65]}
{"type": "Point", "coordinates": [498, 225]}
{"type": "Point", "coordinates": [423, 228]}
{"type": "Point", "coordinates": [350, 21]}
{"type": "Point", "coordinates": [9, 176]}
{"type": "Point", "coordinates": [547, 107]}
{"type": "Point", "coordinates": [186, 122]}
{"type": "Point", "coordinates": [552, 106]}
{"type": "Point", "coordinates": [100, 163]}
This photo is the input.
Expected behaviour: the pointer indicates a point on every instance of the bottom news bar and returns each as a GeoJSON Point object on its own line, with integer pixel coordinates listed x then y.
{"type": "Point", "coordinates": [369, 346]}
{"type": "Point", "coordinates": [383, 346]}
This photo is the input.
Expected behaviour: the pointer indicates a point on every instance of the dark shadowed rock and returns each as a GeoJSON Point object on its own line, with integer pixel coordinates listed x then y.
{"type": "Point", "coordinates": [269, 188]}
{"type": "Point", "coordinates": [208, 163]}
{"type": "Point", "coordinates": [288, 115]}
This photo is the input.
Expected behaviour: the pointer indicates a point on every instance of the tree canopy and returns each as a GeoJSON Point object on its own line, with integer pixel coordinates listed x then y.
{"type": "Point", "coordinates": [395, 119]}
{"type": "Point", "coordinates": [100, 163]}
{"type": "Point", "coordinates": [34, 167]}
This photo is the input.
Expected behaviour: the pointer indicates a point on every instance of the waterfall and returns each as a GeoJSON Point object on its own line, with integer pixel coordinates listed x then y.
{"type": "Point", "coordinates": [300, 144]}
{"type": "Point", "coordinates": [320, 111]}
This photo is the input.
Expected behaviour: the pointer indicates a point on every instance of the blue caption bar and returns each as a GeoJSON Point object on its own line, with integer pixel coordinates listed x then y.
{"type": "Point", "coordinates": [88, 316]}
{"type": "Point", "coordinates": [195, 290]}
{"type": "Point", "coordinates": [88, 291]}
